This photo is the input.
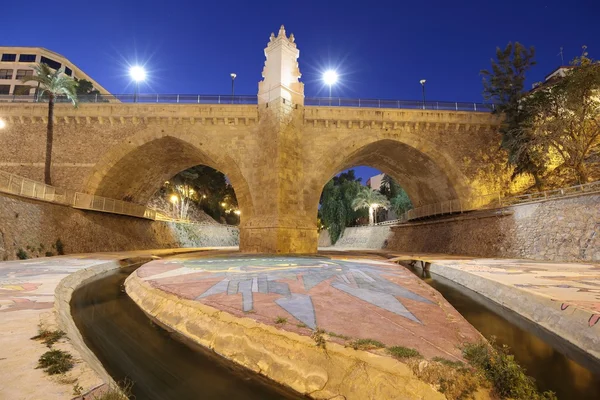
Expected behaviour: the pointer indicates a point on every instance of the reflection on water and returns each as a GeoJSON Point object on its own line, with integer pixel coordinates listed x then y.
{"type": "Point", "coordinates": [130, 346]}
{"type": "Point", "coordinates": [535, 349]}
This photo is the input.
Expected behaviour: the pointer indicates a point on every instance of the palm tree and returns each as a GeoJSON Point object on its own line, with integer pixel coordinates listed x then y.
{"type": "Point", "coordinates": [371, 199]}
{"type": "Point", "coordinates": [53, 84]}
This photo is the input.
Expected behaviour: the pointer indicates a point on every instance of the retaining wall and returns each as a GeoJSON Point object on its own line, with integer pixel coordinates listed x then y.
{"type": "Point", "coordinates": [35, 226]}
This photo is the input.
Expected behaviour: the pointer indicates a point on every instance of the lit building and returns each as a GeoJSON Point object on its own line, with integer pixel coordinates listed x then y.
{"type": "Point", "coordinates": [374, 182]}
{"type": "Point", "coordinates": [15, 64]}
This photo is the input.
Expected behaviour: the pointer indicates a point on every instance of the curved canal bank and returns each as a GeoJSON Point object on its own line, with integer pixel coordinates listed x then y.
{"type": "Point", "coordinates": [554, 363]}
{"type": "Point", "coordinates": [161, 366]}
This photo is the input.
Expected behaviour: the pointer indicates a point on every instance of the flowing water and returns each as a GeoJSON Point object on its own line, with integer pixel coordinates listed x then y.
{"type": "Point", "coordinates": [554, 364]}
{"type": "Point", "coordinates": [161, 366]}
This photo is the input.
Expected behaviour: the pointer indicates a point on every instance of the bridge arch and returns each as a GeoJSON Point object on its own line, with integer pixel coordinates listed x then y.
{"type": "Point", "coordinates": [135, 170]}
{"type": "Point", "coordinates": [424, 171]}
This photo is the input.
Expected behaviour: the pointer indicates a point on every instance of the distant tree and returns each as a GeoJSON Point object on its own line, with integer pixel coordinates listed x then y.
{"type": "Point", "coordinates": [389, 187]}
{"type": "Point", "coordinates": [564, 117]}
{"type": "Point", "coordinates": [85, 87]}
{"type": "Point", "coordinates": [51, 85]}
{"type": "Point", "coordinates": [504, 85]}
{"type": "Point", "coordinates": [371, 200]}
{"type": "Point", "coordinates": [336, 211]}
{"type": "Point", "coordinates": [399, 200]}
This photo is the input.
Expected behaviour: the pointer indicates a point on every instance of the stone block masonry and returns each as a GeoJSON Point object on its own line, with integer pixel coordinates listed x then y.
{"type": "Point", "coordinates": [34, 227]}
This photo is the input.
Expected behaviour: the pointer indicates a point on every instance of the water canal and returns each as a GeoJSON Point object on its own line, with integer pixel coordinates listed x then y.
{"type": "Point", "coordinates": [161, 366]}
{"type": "Point", "coordinates": [554, 363]}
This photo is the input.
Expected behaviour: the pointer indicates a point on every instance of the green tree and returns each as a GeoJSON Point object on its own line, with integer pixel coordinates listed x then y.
{"type": "Point", "coordinates": [504, 85]}
{"type": "Point", "coordinates": [399, 200]}
{"type": "Point", "coordinates": [336, 211]}
{"type": "Point", "coordinates": [564, 117]}
{"type": "Point", "coordinates": [52, 84]}
{"type": "Point", "coordinates": [389, 187]}
{"type": "Point", "coordinates": [370, 199]}
{"type": "Point", "coordinates": [85, 88]}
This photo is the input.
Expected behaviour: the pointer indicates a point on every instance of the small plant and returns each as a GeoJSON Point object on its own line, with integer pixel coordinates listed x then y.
{"type": "Point", "coordinates": [60, 247]}
{"type": "Point", "coordinates": [49, 337]}
{"type": "Point", "coordinates": [49, 254]}
{"type": "Point", "coordinates": [318, 337]}
{"type": "Point", "coordinates": [508, 378]}
{"type": "Point", "coordinates": [280, 320]}
{"type": "Point", "coordinates": [301, 325]}
{"type": "Point", "coordinates": [77, 389]}
{"type": "Point", "coordinates": [56, 362]}
{"type": "Point", "coordinates": [121, 392]}
{"type": "Point", "coordinates": [22, 254]}
{"type": "Point", "coordinates": [366, 344]}
{"type": "Point", "coordinates": [404, 352]}
{"type": "Point", "coordinates": [338, 335]}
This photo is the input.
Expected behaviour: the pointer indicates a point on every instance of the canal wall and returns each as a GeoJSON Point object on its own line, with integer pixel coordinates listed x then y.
{"type": "Point", "coordinates": [566, 229]}
{"type": "Point", "coordinates": [35, 227]}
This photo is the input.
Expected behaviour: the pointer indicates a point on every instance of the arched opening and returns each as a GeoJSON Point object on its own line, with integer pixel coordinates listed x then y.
{"type": "Point", "coordinates": [412, 177]}
{"type": "Point", "coordinates": [174, 168]}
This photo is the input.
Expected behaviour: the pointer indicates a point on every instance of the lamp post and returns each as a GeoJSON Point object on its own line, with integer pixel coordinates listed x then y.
{"type": "Point", "coordinates": [330, 77]}
{"type": "Point", "coordinates": [233, 76]}
{"type": "Point", "coordinates": [138, 74]}
{"type": "Point", "coordinates": [422, 82]}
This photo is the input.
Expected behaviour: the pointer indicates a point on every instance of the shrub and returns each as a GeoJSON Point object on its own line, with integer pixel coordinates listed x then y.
{"type": "Point", "coordinates": [404, 352]}
{"type": "Point", "coordinates": [49, 254]}
{"type": "Point", "coordinates": [280, 320]}
{"type": "Point", "coordinates": [508, 378]}
{"type": "Point", "coordinates": [56, 362]}
{"type": "Point", "coordinates": [60, 247]}
{"type": "Point", "coordinates": [22, 254]}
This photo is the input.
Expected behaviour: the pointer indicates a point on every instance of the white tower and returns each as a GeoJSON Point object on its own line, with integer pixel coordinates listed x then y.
{"type": "Point", "coordinates": [281, 75]}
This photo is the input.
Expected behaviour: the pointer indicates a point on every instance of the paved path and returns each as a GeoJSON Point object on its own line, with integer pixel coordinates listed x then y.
{"type": "Point", "coordinates": [26, 301]}
{"type": "Point", "coordinates": [349, 296]}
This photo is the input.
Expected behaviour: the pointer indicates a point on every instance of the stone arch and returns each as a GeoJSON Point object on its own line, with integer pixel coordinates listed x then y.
{"type": "Point", "coordinates": [134, 171]}
{"type": "Point", "coordinates": [426, 173]}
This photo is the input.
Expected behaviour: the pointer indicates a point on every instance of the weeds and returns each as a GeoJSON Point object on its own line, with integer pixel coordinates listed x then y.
{"type": "Point", "coordinates": [22, 254]}
{"type": "Point", "coordinates": [56, 362]}
{"type": "Point", "coordinates": [366, 344]}
{"type": "Point", "coordinates": [60, 247]}
{"type": "Point", "coordinates": [49, 254]}
{"type": "Point", "coordinates": [404, 352]}
{"type": "Point", "coordinates": [280, 320]}
{"type": "Point", "coordinates": [301, 325]}
{"type": "Point", "coordinates": [121, 392]}
{"type": "Point", "coordinates": [49, 337]}
{"type": "Point", "coordinates": [318, 337]}
{"type": "Point", "coordinates": [449, 363]}
{"type": "Point", "coordinates": [337, 335]}
{"type": "Point", "coordinates": [508, 378]}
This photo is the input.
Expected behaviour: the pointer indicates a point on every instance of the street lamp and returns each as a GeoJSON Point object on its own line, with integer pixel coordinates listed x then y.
{"type": "Point", "coordinates": [233, 76]}
{"type": "Point", "coordinates": [2, 124]}
{"type": "Point", "coordinates": [422, 82]}
{"type": "Point", "coordinates": [138, 74]}
{"type": "Point", "coordinates": [330, 77]}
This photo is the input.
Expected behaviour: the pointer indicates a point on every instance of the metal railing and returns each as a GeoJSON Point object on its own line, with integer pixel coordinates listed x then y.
{"type": "Point", "coordinates": [19, 186]}
{"type": "Point", "coordinates": [488, 202]}
{"type": "Point", "coordinates": [248, 99]}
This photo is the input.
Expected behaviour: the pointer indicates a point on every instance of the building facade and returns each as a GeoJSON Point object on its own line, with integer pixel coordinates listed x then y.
{"type": "Point", "coordinates": [16, 62]}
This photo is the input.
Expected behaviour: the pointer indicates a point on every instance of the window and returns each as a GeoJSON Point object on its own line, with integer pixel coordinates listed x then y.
{"type": "Point", "coordinates": [68, 71]}
{"type": "Point", "coordinates": [6, 73]}
{"type": "Point", "coordinates": [22, 73]}
{"type": "Point", "coordinates": [27, 58]}
{"type": "Point", "coordinates": [9, 57]}
{"type": "Point", "coordinates": [22, 90]}
{"type": "Point", "coordinates": [4, 89]}
{"type": "Point", "coordinates": [51, 63]}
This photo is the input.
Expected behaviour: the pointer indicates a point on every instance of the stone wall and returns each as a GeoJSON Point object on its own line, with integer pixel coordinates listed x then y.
{"type": "Point", "coordinates": [35, 227]}
{"type": "Point", "coordinates": [556, 230]}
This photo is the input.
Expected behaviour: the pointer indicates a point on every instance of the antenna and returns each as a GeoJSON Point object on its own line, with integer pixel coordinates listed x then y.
{"type": "Point", "coordinates": [562, 59]}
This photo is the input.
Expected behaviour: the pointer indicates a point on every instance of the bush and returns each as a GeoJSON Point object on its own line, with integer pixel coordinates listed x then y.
{"type": "Point", "coordinates": [49, 337]}
{"type": "Point", "coordinates": [506, 376]}
{"type": "Point", "coordinates": [22, 254]}
{"type": "Point", "coordinates": [49, 254]}
{"type": "Point", "coordinates": [56, 362]}
{"type": "Point", "coordinates": [366, 344]}
{"type": "Point", "coordinates": [60, 247]}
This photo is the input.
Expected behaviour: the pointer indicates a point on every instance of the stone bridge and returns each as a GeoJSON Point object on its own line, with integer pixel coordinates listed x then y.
{"type": "Point", "coordinates": [278, 154]}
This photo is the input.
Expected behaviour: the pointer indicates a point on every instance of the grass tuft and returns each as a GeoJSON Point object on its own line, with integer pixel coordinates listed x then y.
{"type": "Point", "coordinates": [366, 344]}
{"type": "Point", "coordinates": [318, 337]}
{"type": "Point", "coordinates": [280, 320]}
{"type": "Point", "coordinates": [339, 335]}
{"type": "Point", "coordinates": [449, 363]}
{"type": "Point", "coordinates": [121, 392]}
{"type": "Point", "coordinates": [404, 352]}
{"type": "Point", "coordinates": [56, 362]}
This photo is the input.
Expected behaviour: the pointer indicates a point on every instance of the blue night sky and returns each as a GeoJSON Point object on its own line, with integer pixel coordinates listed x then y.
{"type": "Point", "coordinates": [381, 49]}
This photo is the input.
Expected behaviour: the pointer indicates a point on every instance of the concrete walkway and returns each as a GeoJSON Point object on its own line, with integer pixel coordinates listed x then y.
{"type": "Point", "coordinates": [27, 301]}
